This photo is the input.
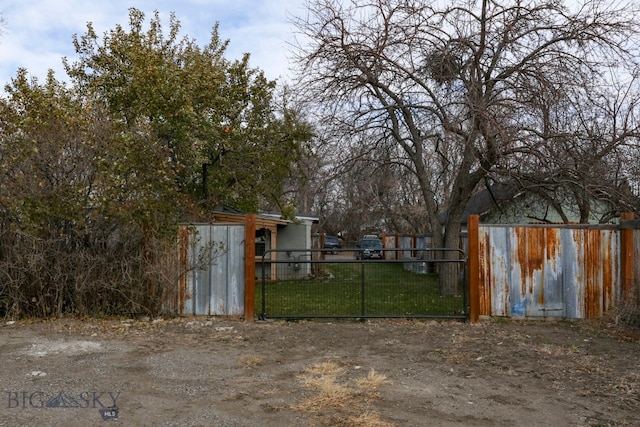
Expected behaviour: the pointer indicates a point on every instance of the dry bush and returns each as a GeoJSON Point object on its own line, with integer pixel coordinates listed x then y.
{"type": "Point", "coordinates": [126, 274]}
{"type": "Point", "coordinates": [628, 310]}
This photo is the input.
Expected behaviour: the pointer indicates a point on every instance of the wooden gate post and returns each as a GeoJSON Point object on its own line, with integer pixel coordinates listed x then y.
{"type": "Point", "coordinates": [626, 257]}
{"type": "Point", "coordinates": [249, 267]}
{"type": "Point", "coordinates": [473, 223]}
{"type": "Point", "coordinates": [397, 246]}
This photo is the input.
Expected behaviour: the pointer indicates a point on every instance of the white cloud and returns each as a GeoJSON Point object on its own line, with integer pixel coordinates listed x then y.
{"type": "Point", "coordinates": [38, 33]}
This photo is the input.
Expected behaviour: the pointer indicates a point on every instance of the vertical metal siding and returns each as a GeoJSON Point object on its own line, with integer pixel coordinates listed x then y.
{"type": "Point", "coordinates": [217, 288]}
{"type": "Point", "coordinates": [405, 242]}
{"type": "Point", "coordinates": [541, 271]}
{"type": "Point", "coordinates": [573, 292]}
{"type": "Point", "coordinates": [636, 256]}
{"type": "Point", "coordinates": [498, 275]}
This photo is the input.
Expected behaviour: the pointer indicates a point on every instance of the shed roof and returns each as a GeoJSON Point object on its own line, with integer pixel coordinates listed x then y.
{"type": "Point", "coordinates": [486, 200]}
{"type": "Point", "coordinates": [261, 221]}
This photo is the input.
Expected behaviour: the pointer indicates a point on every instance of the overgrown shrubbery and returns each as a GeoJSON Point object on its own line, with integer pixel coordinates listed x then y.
{"type": "Point", "coordinates": [127, 275]}
{"type": "Point", "coordinates": [96, 174]}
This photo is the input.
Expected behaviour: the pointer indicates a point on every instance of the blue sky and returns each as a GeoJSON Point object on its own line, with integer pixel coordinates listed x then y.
{"type": "Point", "coordinates": [38, 33]}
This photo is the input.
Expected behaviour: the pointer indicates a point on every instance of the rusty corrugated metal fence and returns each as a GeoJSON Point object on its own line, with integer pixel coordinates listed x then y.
{"type": "Point", "coordinates": [548, 271]}
{"type": "Point", "coordinates": [532, 271]}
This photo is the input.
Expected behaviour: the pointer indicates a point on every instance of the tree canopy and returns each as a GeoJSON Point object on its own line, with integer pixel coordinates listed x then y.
{"type": "Point", "coordinates": [148, 117]}
{"type": "Point", "coordinates": [215, 118]}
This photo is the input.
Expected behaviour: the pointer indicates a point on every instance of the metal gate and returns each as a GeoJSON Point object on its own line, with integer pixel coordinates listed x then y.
{"type": "Point", "coordinates": [303, 283]}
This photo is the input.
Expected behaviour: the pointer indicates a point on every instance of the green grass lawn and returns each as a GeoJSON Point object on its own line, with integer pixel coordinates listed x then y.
{"type": "Point", "coordinates": [337, 290]}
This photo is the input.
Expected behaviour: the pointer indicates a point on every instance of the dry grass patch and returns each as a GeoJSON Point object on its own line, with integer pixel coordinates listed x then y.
{"type": "Point", "coordinates": [346, 402]}
{"type": "Point", "coordinates": [368, 419]}
{"type": "Point", "coordinates": [250, 361]}
{"type": "Point", "coordinates": [372, 381]}
{"type": "Point", "coordinates": [330, 395]}
{"type": "Point", "coordinates": [323, 369]}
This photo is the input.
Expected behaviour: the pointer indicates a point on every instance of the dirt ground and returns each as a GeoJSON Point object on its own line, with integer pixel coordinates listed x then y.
{"type": "Point", "coordinates": [225, 372]}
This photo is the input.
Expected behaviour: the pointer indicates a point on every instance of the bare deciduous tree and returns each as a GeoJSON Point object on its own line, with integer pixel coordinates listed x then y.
{"type": "Point", "coordinates": [580, 166]}
{"type": "Point", "coordinates": [453, 85]}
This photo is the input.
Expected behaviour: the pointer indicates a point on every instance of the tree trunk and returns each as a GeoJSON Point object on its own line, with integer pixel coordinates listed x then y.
{"type": "Point", "coordinates": [450, 270]}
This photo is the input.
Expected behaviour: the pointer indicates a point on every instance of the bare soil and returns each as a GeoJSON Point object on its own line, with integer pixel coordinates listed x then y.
{"type": "Point", "coordinates": [225, 372]}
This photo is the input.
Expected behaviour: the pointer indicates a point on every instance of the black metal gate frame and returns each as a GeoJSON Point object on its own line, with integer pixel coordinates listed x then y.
{"type": "Point", "coordinates": [318, 256]}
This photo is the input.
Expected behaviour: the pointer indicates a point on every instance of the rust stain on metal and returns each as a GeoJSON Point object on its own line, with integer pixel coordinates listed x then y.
{"type": "Point", "coordinates": [536, 249]}
{"type": "Point", "coordinates": [530, 254]}
{"type": "Point", "coordinates": [536, 269]}
{"type": "Point", "coordinates": [552, 253]}
{"type": "Point", "coordinates": [608, 261]}
{"type": "Point", "coordinates": [485, 274]}
{"type": "Point", "coordinates": [593, 265]}
{"type": "Point", "coordinates": [553, 244]}
{"type": "Point", "coordinates": [599, 272]}
{"type": "Point", "coordinates": [636, 256]}
{"type": "Point", "coordinates": [541, 295]}
{"type": "Point", "coordinates": [606, 275]}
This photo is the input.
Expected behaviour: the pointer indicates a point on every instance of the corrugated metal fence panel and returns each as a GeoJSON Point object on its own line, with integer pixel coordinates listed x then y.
{"type": "Point", "coordinates": [405, 242]}
{"type": "Point", "coordinates": [216, 287]}
{"type": "Point", "coordinates": [534, 271]}
{"type": "Point", "coordinates": [573, 283]}
{"type": "Point", "coordinates": [424, 242]}
{"type": "Point", "coordinates": [594, 286]}
{"type": "Point", "coordinates": [636, 256]}
{"type": "Point", "coordinates": [494, 269]}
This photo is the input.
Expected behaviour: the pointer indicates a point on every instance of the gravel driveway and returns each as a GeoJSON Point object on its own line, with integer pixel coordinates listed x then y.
{"type": "Point", "coordinates": [225, 372]}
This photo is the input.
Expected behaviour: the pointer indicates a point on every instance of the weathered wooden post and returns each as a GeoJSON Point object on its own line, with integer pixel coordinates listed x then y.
{"type": "Point", "coordinates": [473, 223]}
{"type": "Point", "coordinates": [249, 267]}
{"type": "Point", "coordinates": [626, 256]}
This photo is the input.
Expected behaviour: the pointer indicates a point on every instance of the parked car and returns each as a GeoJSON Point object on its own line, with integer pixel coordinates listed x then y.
{"type": "Point", "coordinates": [332, 243]}
{"type": "Point", "coordinates": [369, 248]}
